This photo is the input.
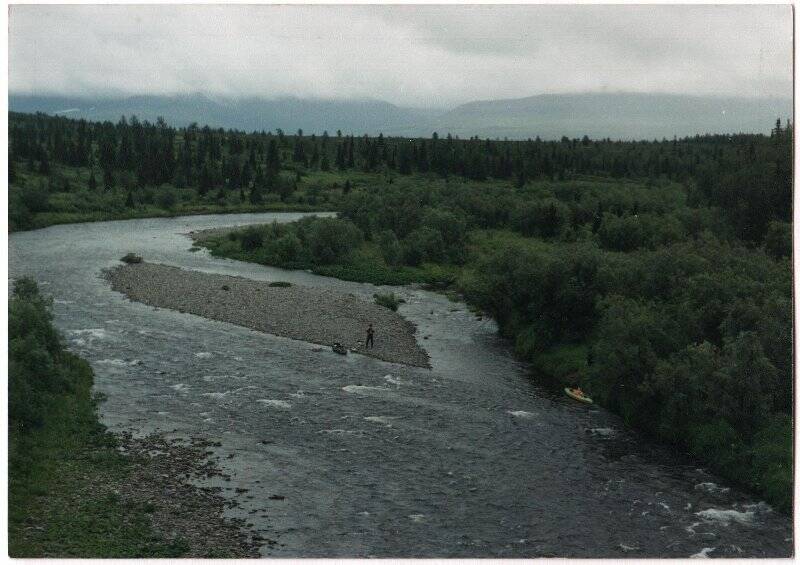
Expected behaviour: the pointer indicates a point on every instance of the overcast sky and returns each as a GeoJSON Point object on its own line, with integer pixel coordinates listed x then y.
{"type": "Point", "coordinates": [409, 55]}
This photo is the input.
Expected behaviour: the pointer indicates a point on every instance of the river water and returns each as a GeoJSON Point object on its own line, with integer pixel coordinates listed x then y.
{"type": "Point", "coordinates": [469, 459]}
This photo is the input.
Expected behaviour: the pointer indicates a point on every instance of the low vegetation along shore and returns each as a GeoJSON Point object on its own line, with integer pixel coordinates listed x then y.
{"type": "Point", "coordinates": [309, 314]}
{"type": "Point", "coordinates": [76, 490]}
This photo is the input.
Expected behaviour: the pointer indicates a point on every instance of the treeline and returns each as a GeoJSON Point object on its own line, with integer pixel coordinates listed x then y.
{"type": "Point", "coordinates": [134, 155]}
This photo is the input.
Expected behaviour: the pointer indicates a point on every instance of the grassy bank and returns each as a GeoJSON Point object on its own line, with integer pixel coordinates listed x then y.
{"type": "Point", "coordinates": [71, 492]}
{"type": "Point", "coordinates": [291, 246]}
{"type": "Point", "coordinates": [37, 201]}
{"type": "Point", "coordinates": [62, 463]}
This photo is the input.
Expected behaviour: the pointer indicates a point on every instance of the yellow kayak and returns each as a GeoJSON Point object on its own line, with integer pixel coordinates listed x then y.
{"type": "Point", "coordinates": [579, 396]}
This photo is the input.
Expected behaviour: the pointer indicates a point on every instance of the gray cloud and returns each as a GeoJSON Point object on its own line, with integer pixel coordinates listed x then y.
{"type": "Point", "coordinates": [413, 54]}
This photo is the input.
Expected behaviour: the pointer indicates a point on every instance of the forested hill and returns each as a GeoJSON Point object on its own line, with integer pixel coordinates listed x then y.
{"type": "Point", "coordinates": [550, 116]}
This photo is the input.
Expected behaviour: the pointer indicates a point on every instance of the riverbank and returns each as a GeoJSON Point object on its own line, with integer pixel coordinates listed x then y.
{"type": "Point", "coordinates": [308, 314]}
{"type": "Point", "coordinates": [42, 220]}
{"type": "Point", "coordinates": [76, 490]}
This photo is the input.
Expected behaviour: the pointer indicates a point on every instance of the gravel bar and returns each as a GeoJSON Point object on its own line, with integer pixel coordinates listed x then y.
{"type": "Point", "coordinates": [304, 313]}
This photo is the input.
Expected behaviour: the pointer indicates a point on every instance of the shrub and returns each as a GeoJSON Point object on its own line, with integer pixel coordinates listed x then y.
{"type": "Point", "coordinates": [166, 198]}
{"type": "Point", "coordinates": [131, 258]}
{"type": "Point", "coordinates": [19, 217]}
{"type": "Point", "coordinates": [544, 218]}
{"type": "Point", "coordinates": [330, 240]}
{"type": "Point", "coordinates": [778, 240]}
{"type": "Point", "coordinates": [424, 244]}
{"type": "Point", "coordinates": [35, 198]}
{"type": "Point", "coordinates": [35, 356]}
{"type": "Point", "coordinates": [622, 233]}
{"type": "Point", "coordinates": [391, 251]}
{"type": "Point", "coordinates": [389, 301]}
{"type": "Point", "coordinates": [280, 284]}
{"type": "Point", "coordinates": [288, 248]}
{"type": "Point", "coordinates": [252, 238]}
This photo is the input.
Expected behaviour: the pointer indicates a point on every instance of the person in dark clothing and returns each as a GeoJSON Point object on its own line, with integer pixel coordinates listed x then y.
{"type": "Point", "coordinates": [370, 337]}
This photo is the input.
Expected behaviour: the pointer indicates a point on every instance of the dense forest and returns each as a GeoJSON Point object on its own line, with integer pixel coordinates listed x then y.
{"type": "Point", "coordinates": [655, 274]}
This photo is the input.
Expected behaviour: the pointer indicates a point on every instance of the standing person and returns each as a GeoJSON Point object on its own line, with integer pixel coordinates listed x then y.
{"type": "Point", "coordinates": [370, 337]}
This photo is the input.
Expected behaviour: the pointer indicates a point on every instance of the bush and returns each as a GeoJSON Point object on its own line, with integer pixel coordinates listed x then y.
{"type": "Point", "coordinates": [35, 198]}
{"type": "Point", "coordinates": [778, 240]}
{"type": "Point", "coordinates": [280, 284]}
{"type": "Point", "coordinates": [389, 301]}
{"type": "Point", "coordinates": [288, 248]}
{"type": "Point", "coordinates": [251, 238]}
{"type": "Point", "coordinates": [166, 198]}
{"type": "Point", "coordinates": [131, 258]}
{"type": "Point", "coordinates": [19, 217]}
{"type": "Point", "coordinates": [35, 356]}
{"type": "Point", "coordinates": [390, 247]}
{"type": "Point", "coordinates": [330, 239]}
{"type": "Point", "coordinates": [544, 218]}
{"type": "Point", "coordinates": [424, 244]}
{"type": "Point", "coordinates": [622, 233]}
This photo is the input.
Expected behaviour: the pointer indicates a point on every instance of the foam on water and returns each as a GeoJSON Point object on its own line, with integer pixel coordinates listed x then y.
{"type": "Point", "coordinates": [274, 403]}
{"type": "Point", "coordinates": [760, 507]}
{"type": "Point", "coordinates": [711, 488]}
{"type": "Point", "coordinates": [217, 395]}
{"type": "Point", "coordinates": [605, 432]}
{"type": "Point", "coordinates": [417, 517]}
{"type": "Point", "coordinates": [521, 414]}
{"type": "Point", "coordinates": [726, 516]}
{"type": "Point", "coordinates": [340, 432]}
{"type": "Point", "coordinates": [203, 355]}
{"type": "Point", "coordinates": [703, 553]}
{"type": "Point", "coordinates": [212, 378]}
{"type": "Point", "coordinates": [393, 380]}
{"type": "Point", "coordinates": [115, 362]}
{"type": "Point", "coordinates": [386, 420]}
{"type": "Point", "coordinates": [91, 333]}
{"type": "Point", "coordinates": [180, 387]}
{"type": "Point", "coordinates": [362, 388]}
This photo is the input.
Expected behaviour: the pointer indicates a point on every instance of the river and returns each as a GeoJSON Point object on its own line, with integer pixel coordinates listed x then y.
{"type": "Point", "coordinates": [469, 459]}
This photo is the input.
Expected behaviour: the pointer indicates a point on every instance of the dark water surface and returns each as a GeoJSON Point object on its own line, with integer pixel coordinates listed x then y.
{"type": "Point", "coordinates": [471, 458]}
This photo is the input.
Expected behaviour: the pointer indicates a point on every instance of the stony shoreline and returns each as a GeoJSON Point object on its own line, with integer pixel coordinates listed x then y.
{"type": "Point", "coordinates": [314, 315]}
{"type": "Point", "coordinates": [162, 479]}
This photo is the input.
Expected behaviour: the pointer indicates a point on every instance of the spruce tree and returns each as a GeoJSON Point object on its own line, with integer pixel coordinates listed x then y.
{"type": "Point", "coordinates": [108, 179]}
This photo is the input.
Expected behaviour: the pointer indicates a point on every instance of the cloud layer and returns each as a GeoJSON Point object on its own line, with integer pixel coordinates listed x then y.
{"type": "Point", "coordinates": [412, 55]}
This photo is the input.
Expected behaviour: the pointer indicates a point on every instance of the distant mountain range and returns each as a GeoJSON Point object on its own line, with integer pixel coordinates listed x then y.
{"type": "Point", "coordinates": [549, 116]}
